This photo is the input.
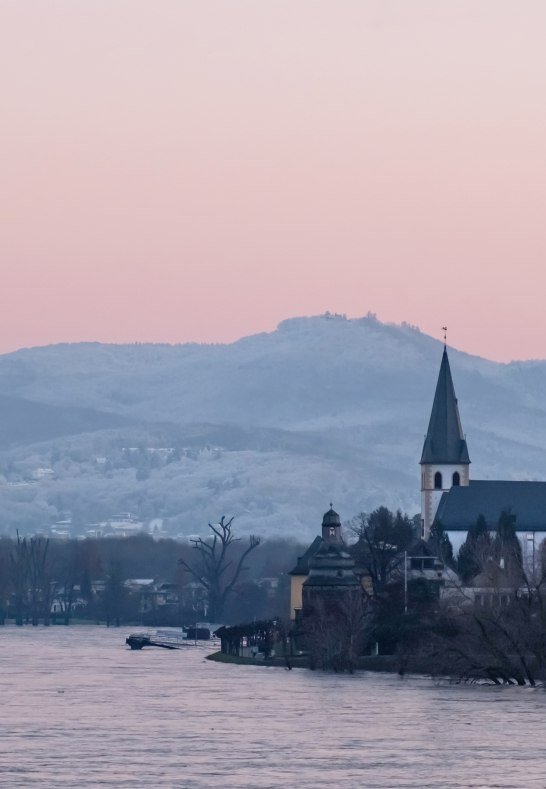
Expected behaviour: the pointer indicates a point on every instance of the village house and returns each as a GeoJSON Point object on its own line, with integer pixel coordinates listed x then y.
{"type": "Point", "coordinates": [153, 595]}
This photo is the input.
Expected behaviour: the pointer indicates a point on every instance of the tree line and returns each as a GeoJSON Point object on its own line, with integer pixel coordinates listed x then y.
{"type": "Point", "coordinates": [222, 579]}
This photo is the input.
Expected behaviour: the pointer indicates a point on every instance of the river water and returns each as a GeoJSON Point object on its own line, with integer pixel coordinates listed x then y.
{"type": "Point", "coordinates": [79, 709]}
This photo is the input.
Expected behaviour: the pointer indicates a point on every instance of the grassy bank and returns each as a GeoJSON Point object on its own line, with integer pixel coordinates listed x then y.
{"type": "Point", "coordinates": [387, 663]}
{"type": "Point", "coordinates": [295, 662]}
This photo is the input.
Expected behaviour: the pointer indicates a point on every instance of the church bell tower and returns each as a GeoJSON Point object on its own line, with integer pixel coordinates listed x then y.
{"type": "Point", "coordinates": [331, 526]}
{"type": "Point", "coordinates": [445, 461]}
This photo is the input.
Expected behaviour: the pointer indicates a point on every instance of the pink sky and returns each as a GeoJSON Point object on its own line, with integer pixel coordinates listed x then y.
{"type": "Point", "coordinates": [196, 170]}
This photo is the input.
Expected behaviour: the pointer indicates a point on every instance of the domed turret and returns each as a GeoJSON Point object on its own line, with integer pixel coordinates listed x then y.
{"type": "Point", "coordinates": [333, 562]}
{"type": "Point", "coordinates": [331, 526]}
{"type": "Point", "coordinates": [331, 578]}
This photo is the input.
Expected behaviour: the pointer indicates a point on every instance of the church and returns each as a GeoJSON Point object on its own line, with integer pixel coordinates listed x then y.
{"type": "Point", "coordinates": [450, 496]}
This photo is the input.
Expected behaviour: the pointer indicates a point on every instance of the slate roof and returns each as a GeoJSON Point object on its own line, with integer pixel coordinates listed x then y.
{"type": "Point", "coordinates": [331, 566]}
{"type": "Point", "coordinates": [302, 565]}
{"type": "Point", "coordinates": [460, 507]}
{"type": "Point", "coordinates": [420, 548]}
{"type": "Point", "coordinates": [445, 441]}
{"type": "Point", "coordinates": [331, 518]}
{"type": "Point", "coordinates": [493, 576]}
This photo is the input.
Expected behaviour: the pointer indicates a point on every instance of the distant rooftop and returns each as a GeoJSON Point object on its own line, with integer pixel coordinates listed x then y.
{"type": "Point", "coordinates": [302, 565]}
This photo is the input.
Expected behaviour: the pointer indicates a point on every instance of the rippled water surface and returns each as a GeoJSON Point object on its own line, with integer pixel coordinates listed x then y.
{"type": "Point", "coordinates": [80, 709]}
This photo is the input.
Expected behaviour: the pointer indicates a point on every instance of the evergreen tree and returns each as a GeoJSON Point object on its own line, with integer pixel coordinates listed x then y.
{"type": "Point", "coordinates": [474, 551]}
{"type": "Point", "coordinates": [507, 548]}
{"type": "Point", "coordinates": [479, 531]}
{"type": "Point", "coordinates": [440, 543]}
{"type": "Point", "coordinates": [467, 563]}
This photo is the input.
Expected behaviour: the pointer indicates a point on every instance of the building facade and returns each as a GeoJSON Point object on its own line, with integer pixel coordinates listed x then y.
{"type": "Point", "coordinates": [450, 497]}
{"type": "Point", "coordinates": [324, 569]}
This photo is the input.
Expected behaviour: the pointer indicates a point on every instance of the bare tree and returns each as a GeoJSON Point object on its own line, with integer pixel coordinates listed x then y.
{"type": "Point", "coordinates": [69, 576]}
{"type": "Point", "coordinates": [41, 586]}
{"type": "Point", "coordinates": [335, 631]}
{"type": "Point", "coordinates": [19, 571]}
{"type": "Point", "coordinates": [497, 629]}
{"type": "Point", "coordinates": [216, 567]}
{"type": "Point", "coordinates": [5, 580]}
{"type": "Point", "coordinates": [115, 594]}
{"type": "Point", "coordinates": [382, 538]}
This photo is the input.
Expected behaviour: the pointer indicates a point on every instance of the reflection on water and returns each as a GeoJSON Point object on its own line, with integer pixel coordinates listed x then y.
{"type": "Point", "coordinates": [80, 709]}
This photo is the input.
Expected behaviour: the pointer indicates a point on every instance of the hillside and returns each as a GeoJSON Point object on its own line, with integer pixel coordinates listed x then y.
{"type": "Point", "coordinates": [271, 427]}
{"type": "Point", "coordinates": [27, 421]}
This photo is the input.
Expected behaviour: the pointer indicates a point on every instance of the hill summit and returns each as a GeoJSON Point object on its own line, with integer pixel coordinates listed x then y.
{"type": "Point", "coordinates": [269, 428]}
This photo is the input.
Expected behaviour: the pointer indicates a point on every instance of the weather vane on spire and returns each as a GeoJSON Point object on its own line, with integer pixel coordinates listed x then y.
{"type": "Point", "coordinates": [444, 329]}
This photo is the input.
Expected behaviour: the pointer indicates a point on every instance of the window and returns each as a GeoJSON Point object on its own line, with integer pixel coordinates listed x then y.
{"type": "Point", "coordinates": [438, 481]}
{"type": "Point", "coordinates": [456, 478]}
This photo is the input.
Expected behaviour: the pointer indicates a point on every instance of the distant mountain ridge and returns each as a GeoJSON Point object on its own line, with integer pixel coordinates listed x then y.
{"type": "Point", "coordinates": [28, 421]}
{"type": "Point", "coordinates": [339, 406]}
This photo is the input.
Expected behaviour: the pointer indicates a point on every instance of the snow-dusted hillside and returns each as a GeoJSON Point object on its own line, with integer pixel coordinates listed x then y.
{"type": "Point", "coordinates": [271, 427]}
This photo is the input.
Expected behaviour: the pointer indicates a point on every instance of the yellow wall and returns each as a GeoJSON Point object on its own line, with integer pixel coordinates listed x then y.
{"type": "Point", "coordinates": [296, 583]}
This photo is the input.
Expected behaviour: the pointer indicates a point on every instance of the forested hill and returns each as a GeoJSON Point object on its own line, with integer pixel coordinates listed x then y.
{"type": "Point", "coordinates": [270, 428]}
{"type": "Point", "coordinates": [25, 421]}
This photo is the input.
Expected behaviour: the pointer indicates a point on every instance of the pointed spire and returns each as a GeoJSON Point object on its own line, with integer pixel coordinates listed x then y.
{"type": "Point", "coordinates": [445, 441]}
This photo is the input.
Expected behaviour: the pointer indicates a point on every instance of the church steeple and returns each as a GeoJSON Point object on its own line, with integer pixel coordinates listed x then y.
{"type": "Point", "coordinates": [445, 441]}
{"type": "Point", "coordinates": [444, 460]}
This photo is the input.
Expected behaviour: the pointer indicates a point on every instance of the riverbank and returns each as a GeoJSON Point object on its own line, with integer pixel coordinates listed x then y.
{"type": "Point", "coordinates": [299, 661]}
{"type": "Point", "coordinates": [381, 663]}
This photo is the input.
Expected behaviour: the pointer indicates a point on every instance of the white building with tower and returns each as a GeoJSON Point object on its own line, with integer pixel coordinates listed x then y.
{"type": "Point", "coordinates": [445, 462]}
{"type": "Point", "coordinates": [450, 496]}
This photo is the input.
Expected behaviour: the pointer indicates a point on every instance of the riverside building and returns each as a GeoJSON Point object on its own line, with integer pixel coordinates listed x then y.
{"type": "Point", "coordinates": [450, 496]}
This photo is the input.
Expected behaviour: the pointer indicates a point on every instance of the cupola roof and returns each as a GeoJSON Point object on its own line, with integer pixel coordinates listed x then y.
{"type": "Point", "coordinates": [331, 518]}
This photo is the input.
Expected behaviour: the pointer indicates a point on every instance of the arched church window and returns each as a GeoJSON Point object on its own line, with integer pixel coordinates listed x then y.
{"type": "Point", "coordinates": [456, 478]}
{"type": "Point", "coordinates": [438, 481]}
